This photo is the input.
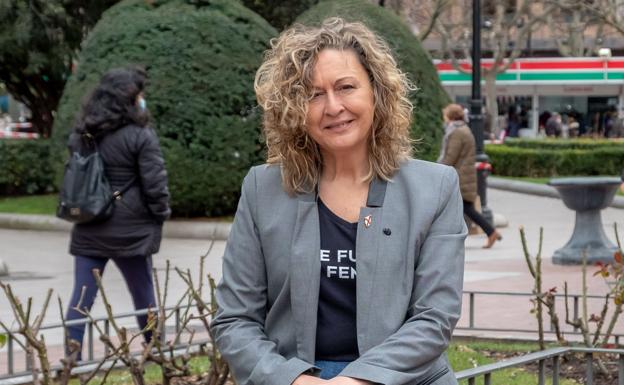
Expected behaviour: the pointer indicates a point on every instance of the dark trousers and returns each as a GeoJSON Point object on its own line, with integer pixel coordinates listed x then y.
{"type": "Point", "coordinates": [477, 218]}
{"type": "Point", "coordinates": [137, 273]}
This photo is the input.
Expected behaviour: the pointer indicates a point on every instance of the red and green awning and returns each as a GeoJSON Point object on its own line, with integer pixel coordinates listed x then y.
{"type": "Point", "coordinates": [544, 71]}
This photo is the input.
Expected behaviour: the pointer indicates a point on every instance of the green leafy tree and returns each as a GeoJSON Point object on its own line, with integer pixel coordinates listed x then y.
{"type": "Point", "coordinates": [279, 13]}
{"type": "Point", "coordinates": [38, 44]}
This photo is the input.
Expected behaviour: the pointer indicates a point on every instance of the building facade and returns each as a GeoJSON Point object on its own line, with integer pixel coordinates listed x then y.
{"type": "Point", "coordinates": [589, 91]}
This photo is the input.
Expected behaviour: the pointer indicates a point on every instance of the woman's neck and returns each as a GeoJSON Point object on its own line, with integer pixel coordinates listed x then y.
{"type": "Point", "coordinates": [345, 167]}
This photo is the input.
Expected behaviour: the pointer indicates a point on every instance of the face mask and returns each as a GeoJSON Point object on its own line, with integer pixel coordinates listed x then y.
{"type": "Point", "coordinates": [142, 104]}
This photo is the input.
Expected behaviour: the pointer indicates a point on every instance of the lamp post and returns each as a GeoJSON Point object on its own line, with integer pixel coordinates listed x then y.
{"type": "Point", "coordinates": [476, 116]}
{"type": "Point", "coordinates": [4, 269]}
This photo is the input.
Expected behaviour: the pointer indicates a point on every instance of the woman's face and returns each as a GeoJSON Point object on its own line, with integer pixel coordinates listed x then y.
{"type": "Point", "coordinates": [340, 113]}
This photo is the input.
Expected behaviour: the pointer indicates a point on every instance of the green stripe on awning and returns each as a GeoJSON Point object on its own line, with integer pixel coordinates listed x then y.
{"type": "Point", "coordinates": [455, 77]}
{"type": "Point", "coordinates": [562, 76]}
{"type": "Point", "coordinates": [537, 76]}
{"type": "Point", "coordinates": [459, 77]}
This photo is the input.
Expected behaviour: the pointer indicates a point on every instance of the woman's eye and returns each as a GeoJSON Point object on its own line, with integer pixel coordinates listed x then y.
{"type": "Point", "coordinates": [346, 87]}
{"type": "Point", "coordinates": [316, 95]}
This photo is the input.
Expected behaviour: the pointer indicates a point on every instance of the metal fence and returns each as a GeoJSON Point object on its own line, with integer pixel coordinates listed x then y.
{"type": "Point", "coordinates": [575, 300]}
{"type": "Point", "coordinates": [15, 356]}
{"type": "Point", "coordinates": [540, 358]}
{"type": "Point", "coordinates": [12, 356]}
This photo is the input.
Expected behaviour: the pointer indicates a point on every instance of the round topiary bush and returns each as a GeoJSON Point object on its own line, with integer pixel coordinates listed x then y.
{"type": "Point", "coordinates": [201, 57]}
{"type": "Point", "coordinates": [430, 97]}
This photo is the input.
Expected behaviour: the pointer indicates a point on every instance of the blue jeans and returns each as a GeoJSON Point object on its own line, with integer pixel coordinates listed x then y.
{"type": "Point", "coordinates": [137, 273]}
{"type": "Point", "coordinates": [330, 369]}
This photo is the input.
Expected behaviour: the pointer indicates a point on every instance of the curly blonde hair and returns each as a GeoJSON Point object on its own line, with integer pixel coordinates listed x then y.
{"type": "Point", "coordinates": [283, 88]}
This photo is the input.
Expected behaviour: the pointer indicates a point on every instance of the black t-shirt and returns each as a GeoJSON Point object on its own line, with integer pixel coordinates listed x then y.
{"type": "Point", "coordinates": [336, 332]}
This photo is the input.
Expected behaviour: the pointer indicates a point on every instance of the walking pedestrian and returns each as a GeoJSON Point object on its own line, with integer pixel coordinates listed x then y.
{"type": "Point", "coordinates": [458, 150]}
{"type": "Point", "coordinates": [115, 121]}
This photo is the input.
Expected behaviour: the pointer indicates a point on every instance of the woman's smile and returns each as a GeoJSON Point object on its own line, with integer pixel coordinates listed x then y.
{"type": "Point", "coordinates": [339, 126]}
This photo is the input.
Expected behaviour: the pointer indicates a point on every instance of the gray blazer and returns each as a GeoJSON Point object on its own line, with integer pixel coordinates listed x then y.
{"type": "Point", "coordinates": [409, 280]}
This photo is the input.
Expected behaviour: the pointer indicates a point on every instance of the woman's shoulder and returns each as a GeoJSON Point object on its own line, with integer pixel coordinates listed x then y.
{"type": "Point", "coordinates": [460, 128]}
{"type": "Point", "coordinates": [265, 173]}
{"type": "Point", "coordinates": [136, 129]}
{"type": "Point", "coordinates": [263, 186]}
{"type": "Point", "coordinates": [137, 136]}
{"type": "Point", "coordinates": [419, 167]}
{"type": "Point", "coordinates": [464, 130]}
{"type": "Point", "coordinates": [421, 173]}
{"type": "Point", "coordinates": [266, 178]}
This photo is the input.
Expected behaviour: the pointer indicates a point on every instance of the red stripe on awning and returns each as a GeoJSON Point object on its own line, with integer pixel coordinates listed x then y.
{"type": "Point", "coordinates": [449, 66]}
{"type": "Point", "coordinates": [446, 66]}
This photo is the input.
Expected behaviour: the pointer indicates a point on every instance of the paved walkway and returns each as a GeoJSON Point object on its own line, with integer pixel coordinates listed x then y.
{"type": "Point", "coordinates": [39, 260]}
{"type": "Point", "coordinates": [503, 267]}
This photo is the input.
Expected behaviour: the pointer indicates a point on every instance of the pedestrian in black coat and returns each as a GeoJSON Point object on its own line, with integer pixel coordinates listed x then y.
{"type": "Point", "coordinates": [115, 119]}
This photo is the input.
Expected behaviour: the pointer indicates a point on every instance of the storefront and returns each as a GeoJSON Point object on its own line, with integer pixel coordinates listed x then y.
{"type": "Point", "coordinates": [588, 91]}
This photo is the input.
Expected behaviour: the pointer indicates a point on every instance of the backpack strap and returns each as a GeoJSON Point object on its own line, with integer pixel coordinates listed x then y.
{"type": "Point", "coordinates": [117, 194]}
{"type": "Point", "coordinates": [89, 141]}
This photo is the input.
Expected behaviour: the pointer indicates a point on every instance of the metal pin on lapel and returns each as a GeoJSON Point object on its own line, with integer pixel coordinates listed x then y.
{"type": "Point", "coordinates": [368, 220]}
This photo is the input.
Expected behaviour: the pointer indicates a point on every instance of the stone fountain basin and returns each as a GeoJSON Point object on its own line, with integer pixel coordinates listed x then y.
{"type": "Point", "coordinates": [586, 193]}
{"type": "Point", "coordinates": [587, 196]}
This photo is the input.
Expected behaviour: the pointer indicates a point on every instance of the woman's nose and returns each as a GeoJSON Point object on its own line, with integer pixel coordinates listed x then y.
{"type": "Point", "coordinates": [333, 104]}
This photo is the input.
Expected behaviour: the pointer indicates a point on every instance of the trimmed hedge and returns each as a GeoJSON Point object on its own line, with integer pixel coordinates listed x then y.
{"type": "Point", "coordinates": [412, 58]}
{"type": "Point", "coordinates": [518, 161]}
{"type": "Point", "coordinates": [27, 167]}
{"type": "Point", "coordinates": [562, 144]}
{"type": "Point", "coordinates": [201, 57]}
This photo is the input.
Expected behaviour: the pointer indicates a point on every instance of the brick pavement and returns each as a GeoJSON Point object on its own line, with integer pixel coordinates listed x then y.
{"type": "Point", "coordinates": [503, 267]}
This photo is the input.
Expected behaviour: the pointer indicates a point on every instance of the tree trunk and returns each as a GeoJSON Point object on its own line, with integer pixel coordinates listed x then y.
{"type": "Point", "coordinates": [491, 104]}
{"type": "Point", "coordinates": [577, 39]}
{"type": "Point", "coordinates": [41, 97]}
{"type": "Point", "coordinates": [42, 119]}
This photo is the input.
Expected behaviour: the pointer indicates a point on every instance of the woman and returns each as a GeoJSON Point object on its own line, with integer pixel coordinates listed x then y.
{"type": "Point", "coordinates": [115, 119]}
{"type": "Point", "coordinates": [458, 150]}
{"type": "Point", "coordinates": [339, 185]}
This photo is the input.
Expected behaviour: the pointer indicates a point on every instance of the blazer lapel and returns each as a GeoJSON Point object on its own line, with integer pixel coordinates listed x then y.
{"type": "Point", "coordinates": [305, 270]}
{"type": "Point", "coordinates": [369, 232]}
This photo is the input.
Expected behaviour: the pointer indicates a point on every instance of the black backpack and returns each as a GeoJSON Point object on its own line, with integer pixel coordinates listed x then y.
{"type": "Point", "coordinates": [86, 195]}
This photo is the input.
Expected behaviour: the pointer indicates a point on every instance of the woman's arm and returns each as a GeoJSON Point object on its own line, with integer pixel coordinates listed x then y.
{"type": "Point", "coordinates": [452, 150]}
{"type": "Point", "coordinates": [238, 327]}
{"type": "Point", "coordinates": [435, 304]}
{"type": "Point", "coordinates": [153, 175]}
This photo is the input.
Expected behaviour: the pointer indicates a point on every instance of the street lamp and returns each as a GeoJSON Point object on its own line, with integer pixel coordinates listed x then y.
{"type": "Point", "coordinates": [476, 116]}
